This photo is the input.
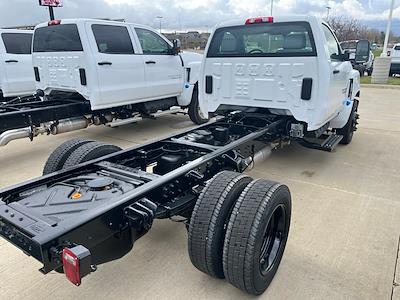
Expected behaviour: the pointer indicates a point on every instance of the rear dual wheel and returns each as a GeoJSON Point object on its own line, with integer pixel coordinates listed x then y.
{"type": "Point", "coordinates": [239, 230]}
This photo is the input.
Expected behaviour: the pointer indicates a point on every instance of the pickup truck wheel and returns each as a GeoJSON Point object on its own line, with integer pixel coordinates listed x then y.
{"type": "Point", "coordinates": [59, 156]}
{"type": "Point", "coordinates": [209, 219]}
{"type": "Point", "coordinates": [348, 130]}
{"type": "Point", "coordinates": [194, 109]}
{"type": "Point", "coordinates": [256, 235]}
{"type": "Point", "coordinates": [88, 152]}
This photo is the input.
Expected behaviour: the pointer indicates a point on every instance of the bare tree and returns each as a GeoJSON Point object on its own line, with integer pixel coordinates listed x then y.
{"type": "Point", "coordinates": [347, 28]}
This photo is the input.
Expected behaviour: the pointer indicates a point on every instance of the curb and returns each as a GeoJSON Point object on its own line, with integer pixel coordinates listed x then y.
{"type": "Point", "coordinates": [381, 86]}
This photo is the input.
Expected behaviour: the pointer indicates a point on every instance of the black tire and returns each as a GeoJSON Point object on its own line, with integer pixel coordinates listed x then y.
{"type": "Point", "coordinates": [88, 152]}
{"type": "Point", "coordinates": [194, 112]}
{"type": "Point", "coordinates": [351, 126]}
{"type": "Point", "coordinates": [58, 157]}
{"type": "Point", "coordinates": [258, 228]}
{"type": "Point", "coordinates": [209, 219]}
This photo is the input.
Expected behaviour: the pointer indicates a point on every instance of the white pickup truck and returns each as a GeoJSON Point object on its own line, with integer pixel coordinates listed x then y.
{"type": "Point", "coordinates": [288, 65]}
{"type": "Point", "coordinates": [93, 72]}
{"type": "Point", "coordinates": [114, 65]}
{"type": "Point", "coordinates": [395, 64]}
{"type": "Point", "coordinates": [16, 73]}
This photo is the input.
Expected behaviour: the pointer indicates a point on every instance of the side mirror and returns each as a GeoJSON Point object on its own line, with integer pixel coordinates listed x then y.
{"type": "Point", "coordinates": [346, 55]}
{"type": "Point", "coordinates": [176, 48]}
{"type": "Point", "coordinates": [363, 51]}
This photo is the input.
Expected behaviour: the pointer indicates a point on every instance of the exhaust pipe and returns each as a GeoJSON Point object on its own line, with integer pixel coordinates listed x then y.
{"type": "Point", "coordinates": [14, 134]}
{"type": "Point", "coordinates": [67, 125]}
{"type": "Point", "coordinates": [63, 126]}
{"type": "Point", "coordinates": [259, 156]}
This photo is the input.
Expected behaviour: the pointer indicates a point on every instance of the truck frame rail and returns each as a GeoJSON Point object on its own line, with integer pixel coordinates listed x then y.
{"type": "Point", "coordinates": [160, 179]}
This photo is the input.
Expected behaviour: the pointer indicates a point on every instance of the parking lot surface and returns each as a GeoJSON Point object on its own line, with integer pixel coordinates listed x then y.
{"type": "Point", "coordinates": [344, 238]}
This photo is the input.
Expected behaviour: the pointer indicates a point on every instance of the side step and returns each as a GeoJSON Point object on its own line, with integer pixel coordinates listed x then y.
{"type": "Point", "coordinates": [329, 144]}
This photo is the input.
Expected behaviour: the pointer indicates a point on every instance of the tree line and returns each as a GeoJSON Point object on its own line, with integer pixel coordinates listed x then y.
{"type": "Point", "coordinates": [347, 28]}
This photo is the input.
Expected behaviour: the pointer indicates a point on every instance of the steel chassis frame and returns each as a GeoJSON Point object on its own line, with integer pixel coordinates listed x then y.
{"type": "Point", "coordinates": [110, 230]}
{"type": "Point", "coordinates": [31, 111]}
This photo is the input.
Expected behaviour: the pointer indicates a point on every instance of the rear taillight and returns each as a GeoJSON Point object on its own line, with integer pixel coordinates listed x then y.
{"type": "Point", "coordinates": [76, 263]}
{"type": "Point", "coordinates": [260, 20]}
{"type": "Point", "coordinates": [54, 22]}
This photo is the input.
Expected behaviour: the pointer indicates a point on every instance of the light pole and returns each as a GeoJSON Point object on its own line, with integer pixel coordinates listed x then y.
{"type": "Point", "coordinates": [272, 7]}
{"type": "Point", "coordinates": [328, 9]}
{"type": "Point", "coordinates": [381, 69]}
{"type": "Point", "coordinates": [160, 18]}
{"type": "Point", "coordinates": [389, 24]}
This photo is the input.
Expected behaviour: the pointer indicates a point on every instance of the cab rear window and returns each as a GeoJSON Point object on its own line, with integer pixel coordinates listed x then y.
{"type": "Point", "coordinates": [57, 38]}
{"type": "Point", "coordinates": [263, 40]}
{"type": "Point", "coordinates": [17, 43]}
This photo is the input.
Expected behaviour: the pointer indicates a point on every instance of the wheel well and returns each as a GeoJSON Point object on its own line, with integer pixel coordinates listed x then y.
{"type": "Point", "coordinates": [195, 89]}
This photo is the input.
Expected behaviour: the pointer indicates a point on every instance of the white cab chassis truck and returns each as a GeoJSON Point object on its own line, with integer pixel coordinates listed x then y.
{"type": "Point", "coordinates": [96, 72]}
{"type": "Point", "coordinates": [275, 80]}
{"type": "Point", "coordinates": [291, 66]}
{"type": "Point", "coordinates": [16, 73]}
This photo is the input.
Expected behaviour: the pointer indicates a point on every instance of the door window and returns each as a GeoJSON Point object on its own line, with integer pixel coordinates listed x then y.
{"type": "Point", "coordinates": [334, 50]}
{"type": "Point", "coordinates": [17, 43]}
{"type": "Point", "coordinates": [151, 42]}
{"type": "Point", "coordinates": [112, 39]}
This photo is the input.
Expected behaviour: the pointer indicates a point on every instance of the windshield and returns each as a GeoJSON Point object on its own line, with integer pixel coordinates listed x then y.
{"type": "Point", "coordinates": [264, 39]}
{"type": "Point", "coordinates": [57, 38]}
{"type": "Point", "coordinates": [348, 45]}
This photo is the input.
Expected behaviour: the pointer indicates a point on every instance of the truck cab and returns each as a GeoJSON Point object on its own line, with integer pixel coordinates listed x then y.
{"type": "Point", "coordinates": [288, 65]}
{"type": "Point", "coordinates": [16, 73]}
{"type": "Point", "coordinates": [113, 64]}
{"type": "Point", "coordinates": [395, 64]}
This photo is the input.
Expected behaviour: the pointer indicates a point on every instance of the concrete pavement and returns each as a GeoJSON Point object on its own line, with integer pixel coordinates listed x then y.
{"type": "Point", "coordinates": [344, 237]}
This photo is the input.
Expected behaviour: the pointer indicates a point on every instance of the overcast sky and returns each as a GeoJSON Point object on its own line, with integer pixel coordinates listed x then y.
{"type": "Point", "coordinates": [194, 14]}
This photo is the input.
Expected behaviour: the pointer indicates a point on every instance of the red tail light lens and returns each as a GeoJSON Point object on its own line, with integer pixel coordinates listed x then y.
{"type": "Point", "coordinates": [76, 263]}
{"type": "Point", "coordinates": [260, 20]}
{"type": "Point", "coordinates": [71, 266]}
{"type": "Point", "coordinates": [54, 22]}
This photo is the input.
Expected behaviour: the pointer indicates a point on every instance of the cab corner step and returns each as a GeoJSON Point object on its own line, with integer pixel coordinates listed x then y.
{"type": "Point", "coordinates": [329, 144]}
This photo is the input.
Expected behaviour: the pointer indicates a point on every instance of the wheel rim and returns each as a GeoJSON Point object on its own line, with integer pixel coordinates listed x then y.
{"type": "Point", "coordinates": [273, 239]}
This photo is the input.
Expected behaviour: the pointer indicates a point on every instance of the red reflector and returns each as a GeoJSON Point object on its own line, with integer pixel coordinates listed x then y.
{"type": "Point", "coordinates": [71, 266]}
{"type": "Point", "coordinates": [54, 22]}
{"type": "Point", "coordinates": [260, 20]}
